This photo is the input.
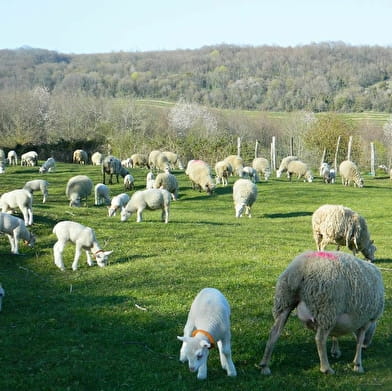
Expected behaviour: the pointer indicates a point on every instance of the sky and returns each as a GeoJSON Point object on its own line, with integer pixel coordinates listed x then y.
{"type": "Point", "coordinates": [98, 26]}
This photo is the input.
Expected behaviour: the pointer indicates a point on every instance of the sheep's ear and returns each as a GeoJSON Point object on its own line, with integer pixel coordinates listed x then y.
{"type": "Point", "coordinates": [183, 339]}
{"type": "Point", "coordinates": [205, 344]}
{"type": "Point", "coordinates": [107, 253]}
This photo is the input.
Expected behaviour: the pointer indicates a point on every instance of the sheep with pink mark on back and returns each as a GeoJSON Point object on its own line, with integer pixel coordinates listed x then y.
{"type": "Point", "coordinates": [208, 324]}
{"type": "Point", "coordinates": [334, 294]}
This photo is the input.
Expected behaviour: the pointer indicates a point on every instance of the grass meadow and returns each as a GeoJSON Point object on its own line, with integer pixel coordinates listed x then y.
{"type": "Point", "coordinates": [115, 328]}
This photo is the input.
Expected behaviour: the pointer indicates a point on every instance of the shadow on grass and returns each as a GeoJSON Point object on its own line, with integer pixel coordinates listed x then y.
{"type": "Point", "coordinates": [287, 215]}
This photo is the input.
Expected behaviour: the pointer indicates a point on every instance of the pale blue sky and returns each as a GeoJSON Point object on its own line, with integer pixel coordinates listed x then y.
{"type": "Point", "coordinates": [98, 26]}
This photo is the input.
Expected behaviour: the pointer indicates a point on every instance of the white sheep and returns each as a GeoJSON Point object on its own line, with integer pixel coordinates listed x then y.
{"type": "Point", "coordinates": [139, 160]}
{"type": "Point", "coordinates": [78, 188]}
{"type": "Point", "coordinates": [334, 294]}
{"type": "Point", "coordinates": [29, 159]}
{"type": "Point", "coordinates": [208, 324]}
{"type": "Point", "coordinates": [327, 173]}
{"type": "Point", "coordinates": [300, 169]}
{"type": "Point", "coordinates": [150, 180]}
{"type": "Point", "coordinates": [48, 166]}
{"type": "Point", "coordinates": [283, 165]}
{"type": "Point", "coordinates": [15, 229]}
{"type": "Point", "coordinates": [21, 199]}
{"type": "Point", "coordinates": [127, 163]}
{"type": "Point", "coordinates": [152, 158]}
{"type": "Point", "coordinates": [166, 180]}
{"type": "Point", "coordinates": [96, 158]}
{"type": "Point", "coordinates": [342, 226]}
{"type": "Point", "coordinates": [84, 239]}
{"type": "Point", "coordinates": [199, 173]}
{"type": "Point", "coordinates": [151, 199]}
{"type": "Point", "coordinates": [222, 171]}
{"type": "Point", "coordinates": [118, 202]}
{"type": "Point", "coordinates": [250, 173]}
{"type": "Point", "coordinates": [80, 156]}
{"type": "Point", "coordinates": [262, 166]}
{"type": "Point", "coordinates": [112, 166]}
{"type": "Point", "coordinates": [349, 172]}
{"type": "Point", "coordinates": [244, 196]}
{"type": "Point", "coordinates": [12, 158]}
{"type": "Point", "coordinates": [102, 194]}
{"type": "Point", "coordinates": [129, 182]}
{"type": "Point", "coordinates": [173, 159]}
{"type": "Point", "coordinates": [38, 184]}
{"type": "Point", "coordinates": [2, 294]}
{"type": "Point", "coordinates": [236, 163]}
{"type": "Point", "coordinates": [162, 162]}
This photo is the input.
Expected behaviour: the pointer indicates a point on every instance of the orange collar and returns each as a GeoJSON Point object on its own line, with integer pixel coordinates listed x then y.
{"type": "Point", "coordinates": [207, 334]}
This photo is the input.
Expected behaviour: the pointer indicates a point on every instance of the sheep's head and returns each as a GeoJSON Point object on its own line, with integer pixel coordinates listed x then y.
{"type": "Point", "coordinates": [102, 257]}
{"type": "Point", "coordinates": [369, 251]}
{"type": "Point", "coordinates": [31, 241]}
{"type": "Point", "coordinates": [111, 211]}
{"type": "Point", "coordinates": [125, 214]}
{"type": "Point", "coordinates": [195, 351]}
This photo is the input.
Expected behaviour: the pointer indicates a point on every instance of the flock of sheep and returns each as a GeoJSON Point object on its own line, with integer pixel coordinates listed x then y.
{"type": "Point", "coordinates": [333, 293]}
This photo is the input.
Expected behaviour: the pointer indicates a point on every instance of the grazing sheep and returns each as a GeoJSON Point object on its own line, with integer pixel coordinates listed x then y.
{"type": "Point", "coordinates": [348, 170]}
{"type": "Point", "coordinates": [21, 199]}
{"type": "Point", "coordinates": [139, 160]}
{"type": "Point", "coordinates": [127, 163]}
{"type": "Point", "coordinates": [150, 180]}
{"type": "Point", "coordinates": [244, 196]}
{"type": "Point", "coordinates": [262, 166]}
{"type": "Point", "coordinates": [78, 188]}
{"type": "Point", "coordinates": [84, 239]}
{"type": "Point", "coordinates": [80, 156]}
{"type": "Point", "coordinates": [208, 324]}
{"type": "Point", "coordinates": [15, 229]}
{"type": "Point", "coordinates": [300, 169]}
{"type": "Point", "coordinates": [199, 173]}
{"type": "Point", "coordinates": [2, 294]}
{"type": "Point", "coordinates": [118, 202]}
{"type": "Point", "coordinates": [12, 158]}
{"type": "Point", "coordinates": [151, 199]}
{"type": "Point", "coordinates": [102, 194]}
{"type": "Point", "coordinates": [38, 184]}
{"type": "Point", "coordinates": [283, 165]}
{"type": "Point", "coordinates": [166, 180]}
{"type": "Point", "coordinates": [97, 158]}
{"type": "Point", "coordinates": [173, 159]}
{"type": "Point", "coordinates": [222, 170]}
{"type": "Point", "coordinates": [327, 173]}
{"type": "Point", "coordinates": [48, 166]}
{"type": "Point", "coordinates": [335, 294]}
{"type": "Point", "coordinates": [236, 163]}
{"type": "Point", "coordinates": [112, 166]}
{"type": "Point", "coordinates": [161, 162]}
{"type": "Point", "coordinates": [129, 182]}
{"type": "Point", "coordinates": [250, 173]}
{"type": "Point", "coordinates": [29, 159]}
{"type": "Point", "coordinates": [344, 227]}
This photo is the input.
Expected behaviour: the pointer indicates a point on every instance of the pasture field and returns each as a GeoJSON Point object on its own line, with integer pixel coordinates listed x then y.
{"type": "Point", "coordinates": [115, 328]}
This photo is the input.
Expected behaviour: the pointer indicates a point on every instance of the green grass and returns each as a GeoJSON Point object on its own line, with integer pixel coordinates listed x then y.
{"type": "Point", "coordinates": [115, 328]}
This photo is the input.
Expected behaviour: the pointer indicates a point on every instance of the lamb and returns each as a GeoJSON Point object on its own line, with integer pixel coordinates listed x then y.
{"type": "Point", "coordinates": [80, 156]}
{"type": "Point", "coordinates": [15, 229]}
{"type": "Point", "coordinates": [112, 166]}
{"type": "Point", "coordinates": [166, 180]}
{"type": "Point", "coordinates": [344, 227]}
{"type": "Point", "coordinates": [300, 169]}
{"type": "Point", "coordinates": [244, 196]}
{"type": "Point", "coordinates": [139, 160]}
{"type": "Point", "coordinates": [283, 165]}
{"type": "Point", "coordinates": [262, 166]}
{"type": "Point", "coordinates": [29, 159]}
{"type": "Point", "coordinates": [48, 166]}
{"type": "Point", "coordinates": [35, 185]}
{"type": "Point", "coordinates": [150, 180]}
{"type": "Point", "coordinates": [12, 158]}
{"type": "Point", "coordinates": [236, 163]}
{"type": "Point", "coordinates": [102, 194]}
{"type": "Point", "coordinates": [84, 239]}
{"type": "Point", "coordinates": [251, 173]}
{"type": "Point", "coordinates": [349, 172]}
{"type": "Point", "coordinates": [208, 324]}
{"type": "Point", "coordinates": [21, 199]}
{"type": "Point", "coordinates": [334, 294]}
{"type": "Point", "coordinates": [223, 170]}
{"type": "Point", "coordinates": [129, 182]}
{"type": "Point", "coordinates": [96, 158]}
{"type": "Point", "coordinates": [118, 202]}
{"type": "Point", "coordinates": [78, 188]}
{"type": "Point", "coordinates": [200, 175]}
{"type": "Point", "coordinates": [147, 199]}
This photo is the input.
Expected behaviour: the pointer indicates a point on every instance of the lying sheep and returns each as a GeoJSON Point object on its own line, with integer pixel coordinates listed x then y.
{"type": "Point", "coordinates": [29, 159]}
{"type": "Point", "coordinates": [344, 227]}
{"type": "Point", "coordinates": [129, 182]}
{"type": "Point", "coordinates": [118, 202]}
{"type": "Point", "coordinates": [15, 229]}
{"type": "Point", "coordinates": [208, 324]}
{"type": "Point", "coordinates": [222, 171]}
{"type": "Point", "coordinates": [166, 180]}
{"type": "Point", "coordinates": [78, 188]}
{"type": "Point", "coordinates": [96, 158]}
{"type": "Point", "coordinates": [84, 239]}
{"type": "Point", "coordinates": [199, 173]}
{"type": "Point", "coordinates": [236, 163]}
{"type": "Point", "coordinates": [102, 194]}
{"type": "Point", "coordinates": [151, 199]}
{"type": "Point", "coordinates": [283, 165]}
{"type": "Point", "coordinates": [262, 166]}
{"type": "Point", "coordinates": [334, 294]}
{"type": "Point", "coordinates": [38, 184]}
{"type": "Point", "coordinates": [150, 180]}
{"type": "Point", "coordinates": [250, 173]}
{"type": "Point", "coordinates": [139, 160]}
{"type": "Point", "coordinates": [244, 196]}
{"type": "Point", "coordinates": [300, 169]}
{"type": "Point", "coordinates": [21, 199]}
{"type": "Point", "coordinates": [48, 166]}
{"type": "Point", "coordinates": [80, 156]}
{"type": "Point", "coordinates": [349, 172]}
{"type": "Point", "coordinates": [12, 158]}
{"type": "Point", "coordinates": [2, 294]}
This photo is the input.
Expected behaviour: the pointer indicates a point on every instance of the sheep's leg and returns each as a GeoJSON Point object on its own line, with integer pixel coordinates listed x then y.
{"type": "Point", "coordinates": [335, 349]}
{"type": "Point", "coordinates": [321, 343]}
{"type": "Point", "coordinates": [225, 357]}
{"type": "Point", "coordinates": [276, 330]}
{"type": "Point", "coordinates": [89, 260]}
{"type": "Point", "coordinates": [25, 216]}
{"type": "Point", "coordinates": [165, 214]}
{"type": "Point", "coordinates": [78, 252]}
{"type": "Point", "coordinates": [139, 216]}
{"type": "Point", "coordinates": [58, 249]}
{"type": "Point", "coordinates": [13, 242]}
{"type": "Point", "coordinates": [30, 216]}
{"type": "Point", "coordinates": [361, 333]}
{"type": "Point", "coordinates": [318, 239]}
{"type": "Point", "coordinates": [45, 196]}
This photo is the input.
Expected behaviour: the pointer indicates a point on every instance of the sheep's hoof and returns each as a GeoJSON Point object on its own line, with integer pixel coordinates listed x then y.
{"type": "Point", "coordinates": [358, 368]}
{"type": "Point", "coordinates": [264, 369]}
{"type": "Point", "coordinates": [328, 371]}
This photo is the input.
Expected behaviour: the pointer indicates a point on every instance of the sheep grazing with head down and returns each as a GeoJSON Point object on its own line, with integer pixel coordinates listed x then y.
{"type": "Point", "coordinates": [222, 171]}
{"type": "Point", "coordinates": [118, 202]}
{"type": "Point", "coordinates": [151, 199]}
{"type": "Point", "coordinates": [334, 294]}
{"type": "Point", "coordinates": [208, 324]}
{"type": "Point", "coordinates": [199, 173]}
{"type": "Point", "coordinates": [262, 166]}
{"type": "Point", "coordinates": [37, 185]}
{"type": "Point", "coordinates": [80, 156]}
{"type": "Point", "coordinates": [12, 158]}
{"type": "Point", "coordinates": [150, 180]}
{"type": "Point", "coordinates": [96, 158]}
{"type": "Point", "coordinates": [173, 159]}
{"type": "Point", "coordinates": [168, 181]}
{"type": "Point", "coordinates": [244, 196]}
{"type": "Point", "coordinates": [21, 199]}
{"type": "Point", "coordinates": [300, 169]}
{"type": "Point", "coordinates": [139, 160]}
{"type": "Point", "coordinates": [78, 188]}
{"type": "Point", "coordinates": [342, 226]}
{"type": "Point", "coordinates": [237, 164]}
{"type": "Point", "coordinates": [284, 164]}
{"type": "Point", "coordinates": [349, 172]}
{"type": "Point", "coordinates": [48, 166]}
{"type": "Point", "coordinates": [250, 173]}
{"type": "Point", "coordinates": [129, 182]}
{"type": "Point", "coordinates": [15, 229]}
{"type": "Point", "coordinates": [29, 159]}
{"type": "Point", "coordinates": [83, 238]}
{"type": "Point", "coordinates": [102, 194]}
